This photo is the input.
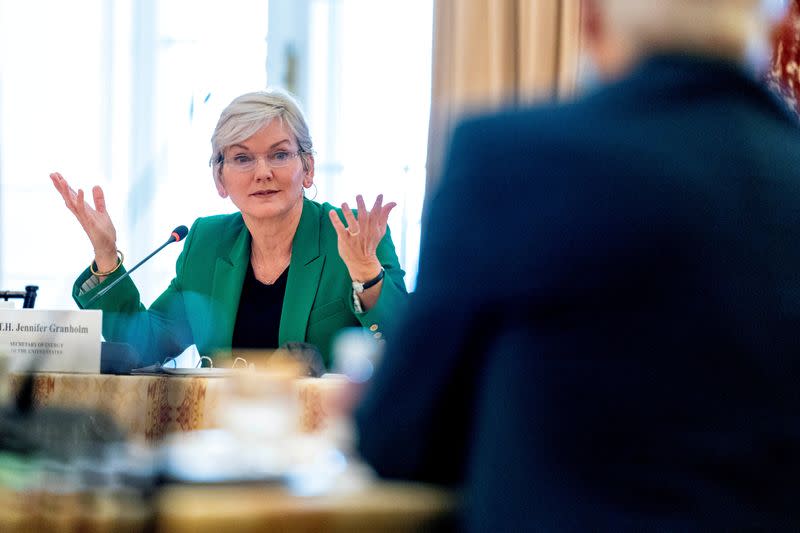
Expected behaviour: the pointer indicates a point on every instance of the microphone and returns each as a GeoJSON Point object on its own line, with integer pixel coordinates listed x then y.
{"type": "Point", "coordinates": [177, 234]}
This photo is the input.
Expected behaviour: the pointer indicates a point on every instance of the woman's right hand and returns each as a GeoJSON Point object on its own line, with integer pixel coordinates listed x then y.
{"type": "Point", "coordinates": [95, 222]}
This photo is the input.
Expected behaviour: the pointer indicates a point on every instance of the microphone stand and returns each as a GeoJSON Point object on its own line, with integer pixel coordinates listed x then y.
{"type": "Point", "coordinates": [175, 237]}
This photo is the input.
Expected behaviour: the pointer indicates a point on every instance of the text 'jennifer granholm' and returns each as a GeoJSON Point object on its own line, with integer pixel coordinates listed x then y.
{"type": "Point", "coordinates": [42, 328]}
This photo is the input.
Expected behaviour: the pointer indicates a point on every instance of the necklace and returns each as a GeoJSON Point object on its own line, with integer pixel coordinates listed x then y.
{"type": "Point", "coordinates": [273, 273]}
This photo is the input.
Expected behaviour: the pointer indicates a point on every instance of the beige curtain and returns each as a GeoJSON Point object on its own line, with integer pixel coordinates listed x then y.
{"type": "Point", "coordinates": [488, 53]}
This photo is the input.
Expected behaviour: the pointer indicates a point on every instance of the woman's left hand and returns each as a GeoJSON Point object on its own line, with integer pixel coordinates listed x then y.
{"type": "Point", "coordinates": [358, 241]}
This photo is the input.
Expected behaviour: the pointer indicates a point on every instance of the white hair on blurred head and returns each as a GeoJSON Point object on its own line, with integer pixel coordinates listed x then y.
{"type": "Point", "coordinates": [250, 112]}
{"type": "Point", "coordinates": [725, 27]}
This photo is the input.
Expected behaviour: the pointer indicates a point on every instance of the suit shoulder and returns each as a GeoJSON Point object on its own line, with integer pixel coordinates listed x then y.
{"type": "Point", "coordinates": [325, 207]}
{"type": "Point", "coordinates": [524, 139]}
{"type": "Point", "coordinates": [528, 126]}
{"type": "Point", "coordinates": [217, 227]}
{"type": "Point", "coordinates": [217, 223]}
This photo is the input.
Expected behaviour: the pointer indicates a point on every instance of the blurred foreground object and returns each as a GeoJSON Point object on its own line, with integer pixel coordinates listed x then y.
{"type": "Point", "coordinates": [604, 331]}
{"type": "Point", "coordinates": [356, 354]}
{"type": "Point", "coordinates": [148, 408]}
{"type": "Point", "coordinates": [395, 507]}
{"type": "Point", "coordinates": [68, 470]}
{"type": "Point", "coordinates": [297, 358]}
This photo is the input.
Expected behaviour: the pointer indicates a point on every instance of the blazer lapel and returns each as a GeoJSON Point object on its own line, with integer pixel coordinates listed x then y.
{"type": "Point", "coordinates": [229, 272]}
{"type": "Point", "coordinates": [305, 271]}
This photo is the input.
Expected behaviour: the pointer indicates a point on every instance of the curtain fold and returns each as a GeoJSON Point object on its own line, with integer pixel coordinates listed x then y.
{"type": "Point", "coordinates": [492, 53]}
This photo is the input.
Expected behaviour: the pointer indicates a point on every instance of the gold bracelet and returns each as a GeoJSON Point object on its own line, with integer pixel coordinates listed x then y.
{"type": "Point", "coordinates": [93, 266]}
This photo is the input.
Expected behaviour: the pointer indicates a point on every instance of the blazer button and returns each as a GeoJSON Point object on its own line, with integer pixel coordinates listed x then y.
{"type": "Point", "coordinates": [373, 327]}
{"type": "Point", "coordinates": [378, 335]}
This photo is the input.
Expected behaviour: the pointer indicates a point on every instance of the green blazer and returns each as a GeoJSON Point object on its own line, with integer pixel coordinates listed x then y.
{"type": "Point", "coordinates": [201, 302]}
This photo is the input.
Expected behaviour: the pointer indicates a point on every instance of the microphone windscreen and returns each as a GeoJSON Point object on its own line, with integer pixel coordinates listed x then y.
{"type": "Point", "coordinates": [180, 233]}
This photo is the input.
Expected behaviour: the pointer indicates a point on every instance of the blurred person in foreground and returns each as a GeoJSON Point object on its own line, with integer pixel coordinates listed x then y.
{"type": "Point", "coordinates": [282, 270]}
{"type": "Point", "coordinates": [606, 329]}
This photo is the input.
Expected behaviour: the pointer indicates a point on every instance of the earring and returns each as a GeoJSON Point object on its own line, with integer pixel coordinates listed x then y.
{"type": "Point", "coordinates": [315, 190]}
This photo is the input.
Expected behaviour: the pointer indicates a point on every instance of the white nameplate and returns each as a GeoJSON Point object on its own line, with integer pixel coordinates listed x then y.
{"type": "Point", "coordinates": [51, 341]}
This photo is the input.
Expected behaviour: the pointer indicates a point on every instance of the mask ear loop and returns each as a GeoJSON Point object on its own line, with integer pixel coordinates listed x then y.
{"type": "Point", "coordinates": [240, 360]}
{"type": "Point", "coordinates": [206, 358]}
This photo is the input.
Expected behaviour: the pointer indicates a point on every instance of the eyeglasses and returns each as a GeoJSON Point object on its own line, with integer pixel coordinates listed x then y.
{"type": "Point", "coordinates": [248, 162]}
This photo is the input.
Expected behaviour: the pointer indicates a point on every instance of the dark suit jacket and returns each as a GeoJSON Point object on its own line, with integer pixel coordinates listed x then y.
{"type": "Point", "coordinates": [200, 305]}
{"type": "Point", "coordinates": [606, 328]}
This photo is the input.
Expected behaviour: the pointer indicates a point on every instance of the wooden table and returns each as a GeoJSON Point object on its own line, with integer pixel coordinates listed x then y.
{"type": "Point", "coordinates": [25, 512]}
{"type": "Point", "coordinates": [381, 506]}
{"type": "Point", "coordinates": [149, 407]}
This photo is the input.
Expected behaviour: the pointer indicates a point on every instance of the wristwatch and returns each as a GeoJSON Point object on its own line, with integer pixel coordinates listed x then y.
{"type": "Point", "coordinates": [360, 287]}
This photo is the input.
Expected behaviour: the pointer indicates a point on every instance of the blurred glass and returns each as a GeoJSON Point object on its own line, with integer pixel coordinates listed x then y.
{"type": "Point", "coordinates": [260, 406]}
{"type": "Point", "coordinates": [356, 353]}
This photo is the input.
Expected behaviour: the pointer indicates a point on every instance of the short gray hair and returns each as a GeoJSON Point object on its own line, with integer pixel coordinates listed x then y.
{"type": "Point", "coordinates": [249, 113]}
{"type": "Point", "coordinates": [722, 26]}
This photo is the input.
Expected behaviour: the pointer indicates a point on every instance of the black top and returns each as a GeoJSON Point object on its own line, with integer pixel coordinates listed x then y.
{"type": "Point", "coordinates": [259, 314]}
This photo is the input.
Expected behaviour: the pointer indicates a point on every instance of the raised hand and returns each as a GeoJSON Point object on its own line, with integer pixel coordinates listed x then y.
{"type": "Point", "coordinates": [358, 241]}
{"type": "Point", "coordinates": [95, 221]}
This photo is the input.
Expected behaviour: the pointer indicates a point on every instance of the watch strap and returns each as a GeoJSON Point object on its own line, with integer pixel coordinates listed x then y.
{"type": "Point", "coordinates": [360, 287]}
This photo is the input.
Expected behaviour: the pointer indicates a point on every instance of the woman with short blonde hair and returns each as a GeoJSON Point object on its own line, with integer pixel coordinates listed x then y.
{"type": "Point", "coordinates": [283, 269]}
